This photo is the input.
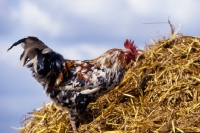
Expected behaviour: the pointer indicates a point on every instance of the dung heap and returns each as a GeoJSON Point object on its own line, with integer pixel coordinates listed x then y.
{"type": "Point", "coordinates": [159, 93]}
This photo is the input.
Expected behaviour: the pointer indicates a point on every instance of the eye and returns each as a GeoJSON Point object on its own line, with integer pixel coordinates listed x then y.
{"type": "Point", "coordinates": [128, 57]}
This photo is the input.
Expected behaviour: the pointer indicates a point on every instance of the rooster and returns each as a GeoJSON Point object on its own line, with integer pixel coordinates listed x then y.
{"type": "Point", "coordinates": [73, 84]}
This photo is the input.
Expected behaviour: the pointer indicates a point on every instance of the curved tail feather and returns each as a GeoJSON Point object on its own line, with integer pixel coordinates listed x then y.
{"type": "Point", "coordinates": [46, 65]}
{"type": "Point", "coordinates": [17, 43]}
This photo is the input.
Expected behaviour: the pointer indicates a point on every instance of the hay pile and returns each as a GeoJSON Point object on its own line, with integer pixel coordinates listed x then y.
{"type": "Point", "coordinates": [159, 93]}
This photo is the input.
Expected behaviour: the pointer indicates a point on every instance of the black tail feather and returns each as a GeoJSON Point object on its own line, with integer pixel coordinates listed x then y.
{"type": "Point", "coordinates": [17, 43]}
{"type": "Point", "coordinates": [40, 64]}
{"type": "Point", "coordinates": [45, 64]}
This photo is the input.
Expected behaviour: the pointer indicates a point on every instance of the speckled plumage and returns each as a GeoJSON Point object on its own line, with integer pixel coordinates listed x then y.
{"type": "Point", "coordinates": [73, 84]}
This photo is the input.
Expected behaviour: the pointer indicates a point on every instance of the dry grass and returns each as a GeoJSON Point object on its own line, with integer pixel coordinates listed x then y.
{"type": "Point", "coordinates": [159, 93]}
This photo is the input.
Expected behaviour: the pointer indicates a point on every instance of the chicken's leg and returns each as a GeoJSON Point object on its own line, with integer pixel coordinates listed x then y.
{"type": "Point", "coordinates": [74, 115]}
{"type": "Point", "coordinates": [73, 124]}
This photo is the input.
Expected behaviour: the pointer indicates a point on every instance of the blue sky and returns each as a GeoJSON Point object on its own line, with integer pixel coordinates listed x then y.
{"type": "Point", "coordinates": [78, 30]}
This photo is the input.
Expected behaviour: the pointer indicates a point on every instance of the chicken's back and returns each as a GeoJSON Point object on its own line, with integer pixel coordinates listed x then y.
{"type": "Point", "coordinates": [89, 79]}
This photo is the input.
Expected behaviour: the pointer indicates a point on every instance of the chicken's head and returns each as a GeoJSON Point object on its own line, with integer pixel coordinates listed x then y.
{"type": "Point", "coordinates": [131, 51]}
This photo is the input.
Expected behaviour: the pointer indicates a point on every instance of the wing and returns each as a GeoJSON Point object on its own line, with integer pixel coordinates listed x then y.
{"type": "Point", "coordinates": [94, 77]}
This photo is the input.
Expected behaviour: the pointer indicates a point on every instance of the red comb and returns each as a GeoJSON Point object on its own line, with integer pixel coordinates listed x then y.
{"type": "Point", "coordinates": [130, 45]}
